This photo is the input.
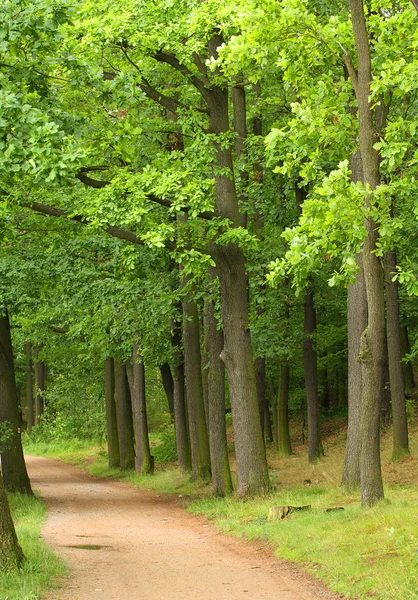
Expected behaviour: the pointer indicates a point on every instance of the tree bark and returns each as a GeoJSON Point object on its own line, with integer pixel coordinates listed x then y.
{"type": "Point", "coordinates": [221, 473]}
{"type": "Point", "coordinates": [180, 409]}
{"type": "Point", "coordinates": [29, 389]}
{"type": "Point", "coordinates": [144, 462]}
{"type": "Point", "coordinates": [408, 372]}
{"type": "Point", "coordinates": [310, 366]}
{"type": "Point", "coordinates": [356, 324]}
{"type": "Point", "coordinates": [260, 380]}
{"type": "Point", "coordinates": [204, 356]}
{"type": "Point", "coordinates": [111, 420]}
{"type": "Point", "coordinates": [372, 341]}
{"type": "Point", "coordinates": [39, 368]}
{"type": "Point", "coordinates": [385, 403]}
{"type": "Point", "coordinates": [252, 470]}
{"type": "Point", "coordinates": [11, 555]}
{"type": "Point", "coordinates": [324, 399]}
{"type": "Point", "coordinates": [283, 435]}
{"type": "Point", "coordinates": [393, 333]}
{"type": "Point", "coordinates": [168, 385]}
{"type": "Point", "coordinates": [14, 470]}
{"type": "Point", "coordinates": [268, 430]}
{"type": "Point", "coordinates": [311, 379]}
{"type": "Point", "coordinates": [124, 417]}
{"type": "Point", "coordinates": [199, 440]}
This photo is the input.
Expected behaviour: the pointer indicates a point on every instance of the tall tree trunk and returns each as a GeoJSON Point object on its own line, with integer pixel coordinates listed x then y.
{"type": "Point", "coordinates": [356, 324]}
{"type": "Point", "coordinates": [252, 470]}
{"type": "Point", "coordinates": [11, 555]}
{"type": "Point", "coordinates": [168, 385]}
{"type": "Point", "coordinates": [260, 380]}
{"type": "Point", "coordinates": [310, 366]}
{"type": "Point", "coordinates": [323, 384]}
{"type": "Point", "coordinates": [29, 389]}
{"type": "Point", "coordinates": [273, 401]}
{"type": "Point", "coordinates": [393, 332]}
{"type": "Point", "coordinates": [124, 417]}
{"type": "Point", "coordinates": [311, 379]}
{"type": "Point", "coordinates": [111, 420]}
{"type": "Point", "coordinates": [373, 337]}
{"type": "Point", "coordinates": [180, 409]}
{"type": "Point", "coordinates": [385, 404]}
{"type": "Point", "coordinates": [39, 368]}
{"type": "Point", "coordinates": [204, 356]}
{"type": "Point", "coordinates": [268, 430]}
{"type": "Point", "coordinates": [144, 462]}
{"type": "Point", "coordinates": [408, 372]}
{"type": "Point", "coordinates": [199, 440]}
{"type": "Point", "coordinates": [221, 473]}
{"type": "Point", "coordinates": [283, 435]}
{"type": "Point", "coordinates": [14, 470]}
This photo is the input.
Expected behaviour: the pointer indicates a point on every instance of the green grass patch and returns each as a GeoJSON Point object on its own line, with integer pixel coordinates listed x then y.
{"type": "Point", "coordinates": [42, 569]}
{"type": "Point", "coordinates": [361, 553]}
{"type": "Point", "coordinates": [71, 451]}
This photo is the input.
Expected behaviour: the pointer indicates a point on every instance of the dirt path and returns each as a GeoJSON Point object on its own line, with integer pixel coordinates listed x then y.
{"type": "Point", "coordinates": [149, 548]}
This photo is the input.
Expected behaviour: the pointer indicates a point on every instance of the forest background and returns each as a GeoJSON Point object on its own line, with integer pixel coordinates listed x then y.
{"type": "Point", "coordinates": [190, 189]}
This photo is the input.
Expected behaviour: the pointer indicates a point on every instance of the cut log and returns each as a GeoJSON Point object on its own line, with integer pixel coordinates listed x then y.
{"type": "Point", "coordinates": [277, 513]}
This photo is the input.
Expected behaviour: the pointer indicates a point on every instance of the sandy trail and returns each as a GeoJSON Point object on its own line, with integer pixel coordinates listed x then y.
{"type": "Point", "coordinates": [151, 548]}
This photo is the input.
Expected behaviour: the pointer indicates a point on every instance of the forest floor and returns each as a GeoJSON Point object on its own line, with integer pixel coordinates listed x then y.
{"type": "Point", "coordinates": [125, 543]}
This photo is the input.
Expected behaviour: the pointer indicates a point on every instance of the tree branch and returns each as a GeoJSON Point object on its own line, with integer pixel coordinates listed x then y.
{"type": "Point", "coordinates": [174, 62]}
{"type": "Point", "coordinates": [95, 183]}
{"type": "Point", "coordinates": [112, 230]}
{"type": "Point", "coordinates": [351, 72]}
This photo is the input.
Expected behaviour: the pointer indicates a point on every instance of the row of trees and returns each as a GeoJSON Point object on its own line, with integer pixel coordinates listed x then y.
{"type": "Point", "coordinates": [194, 187]}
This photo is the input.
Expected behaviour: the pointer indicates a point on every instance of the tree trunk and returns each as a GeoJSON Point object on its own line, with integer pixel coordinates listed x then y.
{"type": "Point", "coordinates": [373, 337]}
{"type": "Point", "coordinates": [204, 356]}
{"type": "Point", "coordinates": [393, 332]}
{"type": "Point", "coordinates": [199, 440]}
{"type": "Point", "coordinates": [260, 380]}
{"type": "Point", "coordinates": [180, 409]}
{"type": "Point", "coordinates": [408, 372]}
{"type": "Point", "coordinates": [324, 389]}
{"type": "Point", "coordinates": [11, 555]}
{"type": "Point", "coordinates": [111, 420]}
{"type": "Point", "coordinates": [273, 403]}
{"type": "Point", "coordinates": [29, 389]}
{"type": "Point", "coordinates": [311, 379]}
{"type": "Point", "coordinates": [144, 462]}
{"type": "Point", "coordinates": [221, 473]}
{"type": "Point", "coordinates": [168, 384]}
{"type": "Point", "coordinates": [13, 463]}
{"type": "Point", "coordinates": [283, 435]}
{"type": "Point", "coordinates": [356, 324]}
{"type": "Point", "coordinates": [252, 470]}
{"type": "Point", "coordinates": [268, 430]}
{"type": "Point", "coordinates": [39, 368]}
{"type": "Point", "coordinates": [124, 417]}
{"type": "Point", "coordinates": [385, 404]}
{"type": "Point", "coordinates": [310, 367]}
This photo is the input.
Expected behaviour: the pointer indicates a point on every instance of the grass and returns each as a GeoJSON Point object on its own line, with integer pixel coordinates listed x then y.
{"type": "Point", "coordinates": [41, 570]}
{"type": "Point", "coordinates": [360, 553]}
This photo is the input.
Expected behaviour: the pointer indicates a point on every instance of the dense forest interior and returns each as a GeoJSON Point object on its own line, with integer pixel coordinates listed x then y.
{"type": "Point", "coordinates": [208, 234]}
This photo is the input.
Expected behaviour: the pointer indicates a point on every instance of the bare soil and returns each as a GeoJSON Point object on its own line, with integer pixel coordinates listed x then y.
{"type": "Point", "coordinates": [124, 543]}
